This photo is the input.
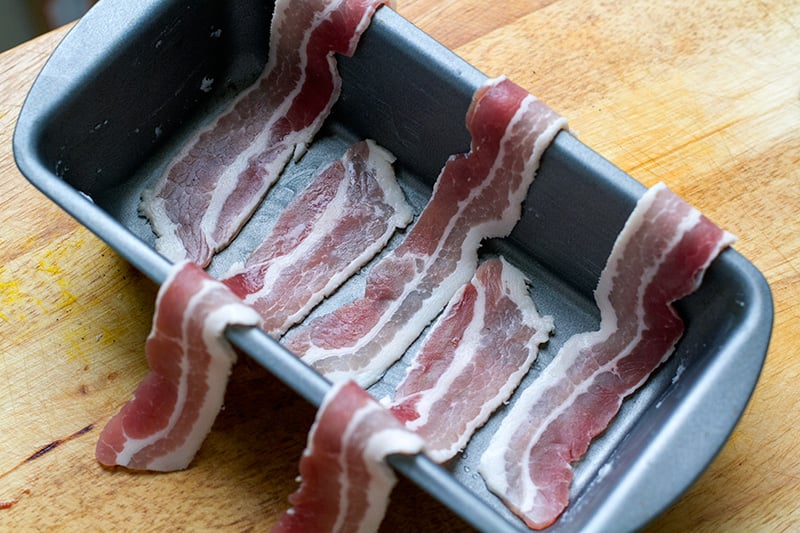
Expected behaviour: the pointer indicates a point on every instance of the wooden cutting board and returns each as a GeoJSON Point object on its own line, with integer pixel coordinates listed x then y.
{"type": "Point", "coordinates": [704, 97]}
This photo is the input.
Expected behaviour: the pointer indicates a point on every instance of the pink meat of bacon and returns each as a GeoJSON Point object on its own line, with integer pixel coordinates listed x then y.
{"type": "Point", "coordinates": [472, 360]}
{"type": "Point", "coordinates": [173, 408]}
{"type": "Point", "coordinates": [341, 220]}
{"type": "Point", "coordinates": [345, 482]}
{"type": "Point", "coordinates": [659, 257]}
{"type": "Point", "coordinates": [477, 195]}
{"type": "Point", "coordinates": [220, 176]}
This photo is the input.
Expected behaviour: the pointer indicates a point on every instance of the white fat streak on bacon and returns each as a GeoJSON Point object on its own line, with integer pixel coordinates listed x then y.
{"type": "Point", "coordinates": [345, 481]}
{"type": "Point", "coordinates": [217, 308]}
{"type": "Point", "coordinates": [222, 357]}
{"type": "Point", "coordinates": [172, 204]}
{"type": "Point", "coordinates": [321, 239]}
{"type": "Point", "coordinates": [528, 460]}
{"type": "Point", "coordinates": [382, 478]}
{"type": "Point", "coordinates": [430, 278]}
{"type": "Point", "coordinates": [472, 360]}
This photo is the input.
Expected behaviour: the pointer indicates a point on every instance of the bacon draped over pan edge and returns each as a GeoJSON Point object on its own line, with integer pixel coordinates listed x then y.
{"type": "Point", "coordinates": [340, 221]}
{"type": "Point", "coordinates": [163, 425]}
{"type": "Point", "coordinates": [472, 360]}
{"type": "Point", "coordinates": [221, 175]}
{"type": "Point", "coordinates": [345, 482]}
{"type": "Point", "coordinates": [478, 195]}
{"type": "Point", "coordinates": [659, 257]}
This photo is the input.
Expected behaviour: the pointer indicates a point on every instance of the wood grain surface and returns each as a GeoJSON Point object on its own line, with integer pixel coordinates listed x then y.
{"type": "Point", "coordinates": [704, 96]}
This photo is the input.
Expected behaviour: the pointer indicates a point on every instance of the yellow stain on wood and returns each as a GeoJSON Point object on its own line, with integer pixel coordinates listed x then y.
{"type": "Point", "coordinates": [21, 286]}
{"type": "Point", "coordinates": [49, 284]}
{"type": "Point", "coordinates": [67, 298]}
{"type": "Point", "coordinates": [10, 294]}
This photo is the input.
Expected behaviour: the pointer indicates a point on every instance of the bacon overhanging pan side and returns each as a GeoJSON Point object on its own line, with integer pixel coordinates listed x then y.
{"type": "Point", "coordinates": [472, 360]}
{"type": "Point", "coordinates": [345, 482]}
{"type": "Point", "coordinates": [477, 196]}
{"type": "Point", "coordinates": [341, 220]}
{"type": "Point", "coordinates": [659, 257]}
{"type": "Point", "coordinates": [219, 178]}
{"type": "Point", "coordinates": [163, 425]}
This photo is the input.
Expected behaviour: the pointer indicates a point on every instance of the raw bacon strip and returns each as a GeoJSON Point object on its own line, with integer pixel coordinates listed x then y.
{"type": "Point", "coordinates": [477, 195]}
{"type": "Point", "coordinates": [337, 224]}
{"type": "Point", "coordinates": [173, 408]}
{"type": "Point", "coordinates": [472, 360]}
{"type": "Point", "coordinates": [345, 483]}
{"type": "Point", "coordinates": [218, 179]}
{"type": "Point", "coordinates": [659, 257]}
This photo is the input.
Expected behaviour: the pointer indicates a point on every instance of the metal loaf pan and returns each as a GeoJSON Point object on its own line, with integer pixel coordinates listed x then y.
{"type": "Point", "coordinates": [129, 82]}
